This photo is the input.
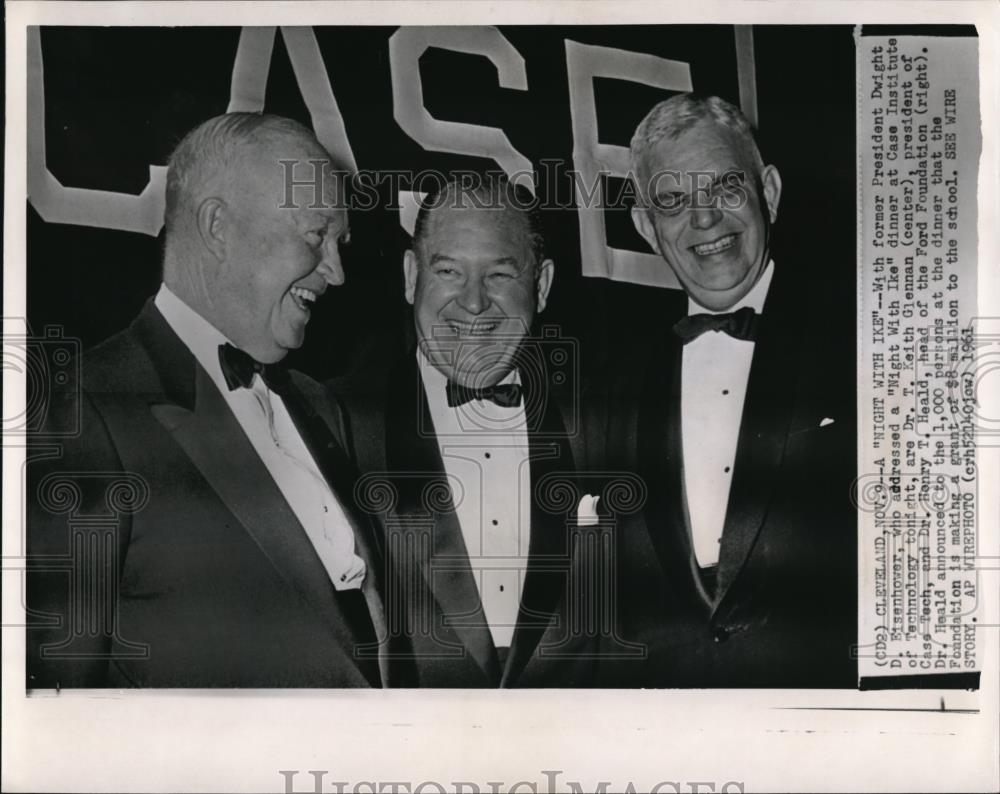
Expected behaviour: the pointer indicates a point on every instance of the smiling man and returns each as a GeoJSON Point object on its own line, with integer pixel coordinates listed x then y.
{"type": "Point", "coordinates": [239, 560]}
{"type": "Point", "coordinates": [462, 432]}
{"type": "Point", "coordinates": [738, 413]}
{"type": "Point", "coordinates": [475, 279]}
{"type": "Point", "coordinates": [708, 200]}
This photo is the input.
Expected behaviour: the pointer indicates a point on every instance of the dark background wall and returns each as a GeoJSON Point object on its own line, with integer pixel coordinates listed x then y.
{"type": "Point", "coordinates": [118, 99]}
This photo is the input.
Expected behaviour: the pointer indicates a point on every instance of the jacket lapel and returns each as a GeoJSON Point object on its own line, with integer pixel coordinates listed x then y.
{"type": "Point", "coordinates": [764, 429]}
{"type": "Point", "coordinates": [546, 580]}
{"type": "Point", "coordinates": [661, 462]}
{"type": "Point", "coordinates": [424, 505]}
{"type": "Point", "coordinates": [314, 419]}
{"type": "Point", "coordinates": [191, 408]}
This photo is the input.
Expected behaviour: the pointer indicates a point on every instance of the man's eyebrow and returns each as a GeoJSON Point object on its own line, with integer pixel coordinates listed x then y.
{"type": "Point", "coordinates": [725, 176]}
{"type": "Point", "coordinates": [503, 260]}
{"type": "Point", "coordinates": [671, 195]}
{"type": "Point", "coordinates": [316, 216]}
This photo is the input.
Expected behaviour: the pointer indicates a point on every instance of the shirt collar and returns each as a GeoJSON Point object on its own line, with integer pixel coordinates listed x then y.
{"type": "Point", "coordinates": [435, 381]}
{"type": "Point", "coordinates": [198, 334]}
{"type": "Point", "coordinates": [754, 298]}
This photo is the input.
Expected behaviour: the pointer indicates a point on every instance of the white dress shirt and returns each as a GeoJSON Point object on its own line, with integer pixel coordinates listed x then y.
{"type": "Point", "coordinates": [485, 452]}
{"type": "Point", "coordinates": [263, 417]}
{"type": "Point", "coordinates": [714, 374]}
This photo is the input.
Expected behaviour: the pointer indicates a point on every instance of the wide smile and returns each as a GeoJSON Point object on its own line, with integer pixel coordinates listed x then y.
{"type": "Point", "coordinates": [481, 327]}
{"type": "Point", "coordinates": [303, 298]}
{"type": "Point", "coordinates": [716, 246]}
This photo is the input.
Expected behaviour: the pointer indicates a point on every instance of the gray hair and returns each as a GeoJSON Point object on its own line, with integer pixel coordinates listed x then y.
{"type": "Point", "coordinates": [214, 148]}
{"type": "Point", "coordinates": [672, 117]}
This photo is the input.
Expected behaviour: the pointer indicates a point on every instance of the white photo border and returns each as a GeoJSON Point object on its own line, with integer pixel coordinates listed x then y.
{"type": "Point", "coordinates": [769, 740]}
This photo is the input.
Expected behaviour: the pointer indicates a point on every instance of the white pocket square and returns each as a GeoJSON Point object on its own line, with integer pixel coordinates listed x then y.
{"type": "Point", "coordinates": [826, 421]}
{"type": "Point", "coordinates": [586, 511]}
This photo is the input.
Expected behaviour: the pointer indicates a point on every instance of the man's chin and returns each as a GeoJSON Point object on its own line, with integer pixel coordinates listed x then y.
{"type": "Point", "coordinates": [717, 301]}
{"type": "Point", "coordinates": [722, 296]}
{"type": "Point", "coordinates": [480, 374]}
{"type": "Point", "coordinates": [282, 347]}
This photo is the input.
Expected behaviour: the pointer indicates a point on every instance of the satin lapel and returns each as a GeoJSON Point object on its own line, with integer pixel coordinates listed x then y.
{"type": "Point", "coordinates": [767, 413]}
{"type": "Point", "coordinates": [661, 462]}
{"type": "Point", "coordinates": [546, 580]}
{"type": "Point", "coordinates": [191, 408]}
{"type": "Point", "coordinates": [342, 476]}
{"type": "Point", "coordinates": [338, 470]}
{"type": "Point", "coordinates": [414, 461]}
{"type": "Point", "coordinates": [217, 445]}
{"type": "Point", "coordinates": [173, 364]}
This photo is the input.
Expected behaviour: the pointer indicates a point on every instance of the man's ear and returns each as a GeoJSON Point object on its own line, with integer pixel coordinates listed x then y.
{"type": "Point", "coordinates": [410, 266]}
{"type": "Point", "coordinates": [770, 180]}
{"type": "Point", "coordinates": [211, 219]}
{"type": "Point", "coordinates": [643, 225]}
{"type": "Point", "coordinates": [543, 282]}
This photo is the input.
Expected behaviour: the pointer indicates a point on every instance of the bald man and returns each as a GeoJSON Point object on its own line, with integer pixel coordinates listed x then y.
{"type": "Point", "coordinates": [199, 532]}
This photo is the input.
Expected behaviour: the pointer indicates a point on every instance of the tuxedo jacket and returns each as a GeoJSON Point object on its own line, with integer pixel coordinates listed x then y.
{"type": "Point", "coordinates": [783, 611]}
{"type": "Point", "coordinates": [162, 553]}
{"type": "Point", "coordinates": [436, 603]}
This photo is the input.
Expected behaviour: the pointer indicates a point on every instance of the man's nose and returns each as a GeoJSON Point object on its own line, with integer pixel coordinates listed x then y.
{"type": "Point", "coordinates": [473, 297]}
{"type": "Point", "coordinates": [705, 217]}
{"type": "Point", "coordinates": [330, 267]}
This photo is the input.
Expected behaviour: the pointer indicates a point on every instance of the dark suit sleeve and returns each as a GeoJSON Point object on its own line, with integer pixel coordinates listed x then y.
{"type": "Point", "coordinates": [76, 540]}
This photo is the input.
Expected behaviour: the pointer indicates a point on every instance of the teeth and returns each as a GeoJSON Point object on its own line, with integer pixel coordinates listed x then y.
{"type": "Point", "coordinates": [304, 295]}
{"type": "Point", "coordinates": [474, 329]}
{"type": "Point", "coordinates": [706, 249]}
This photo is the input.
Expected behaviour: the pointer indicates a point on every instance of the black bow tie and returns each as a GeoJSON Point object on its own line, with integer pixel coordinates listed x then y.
{"type": "Point", "coordinates": [741, 324]}
{"type": "Point", "coordinates": [238, 368]}
{"type": "Point", "coordinates": [506, 395]}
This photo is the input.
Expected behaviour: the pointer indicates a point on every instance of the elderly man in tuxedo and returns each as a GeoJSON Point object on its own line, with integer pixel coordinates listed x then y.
{"type": "Point", "coordinates": [199, 530]}
{"type": "Point", "coordinates": [734, 402]}
{"type": "Point", "coordinates": [470, 448]}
